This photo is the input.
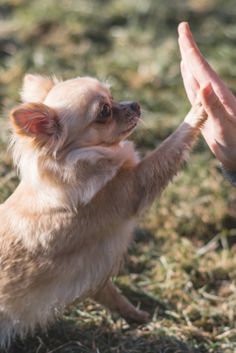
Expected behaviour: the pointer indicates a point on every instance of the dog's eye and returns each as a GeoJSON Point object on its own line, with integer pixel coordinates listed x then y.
{"type": "Point", "coordinates": [104, 113]}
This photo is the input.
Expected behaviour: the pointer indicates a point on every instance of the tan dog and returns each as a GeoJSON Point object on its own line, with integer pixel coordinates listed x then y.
{"type": "Point", "coordinates": [65, 229]}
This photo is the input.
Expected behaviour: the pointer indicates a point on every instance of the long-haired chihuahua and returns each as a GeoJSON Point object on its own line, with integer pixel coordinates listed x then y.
{"type": "Point", "coordinates": [65, 229]}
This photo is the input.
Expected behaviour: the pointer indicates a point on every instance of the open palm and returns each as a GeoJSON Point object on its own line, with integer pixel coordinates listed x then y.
{"type": "Point", "coordinates": [202, 82]}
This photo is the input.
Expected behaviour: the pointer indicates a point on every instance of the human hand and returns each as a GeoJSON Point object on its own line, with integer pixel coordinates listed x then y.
{"type": "Point", "coordinates": [202, 82]}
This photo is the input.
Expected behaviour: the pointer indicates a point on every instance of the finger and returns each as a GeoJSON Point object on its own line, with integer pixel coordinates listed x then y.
{"type": "Point", "coordinates": [190, 84]}
{"type": "Point", "coordinates": [182, 48]}
{"type": "Point", "coordinates": [214, 127]}
{"type": "Point", "coordinates": [200, 67]}
{"type": "Point", "coordinates": [213, 106]}
{"type": "Point", "coordinates": [184, 30]}
{"type": "Point", "coordinates": [184, 45]}
{"type": "Point", "coordinates": [189, 50]}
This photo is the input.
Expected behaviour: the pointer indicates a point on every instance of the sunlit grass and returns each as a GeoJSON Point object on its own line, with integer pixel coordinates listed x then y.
{"type": "Point", "coordinates": [182, 267]}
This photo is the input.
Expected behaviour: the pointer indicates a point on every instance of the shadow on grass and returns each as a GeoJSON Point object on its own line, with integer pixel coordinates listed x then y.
{"type": "Point", "coordinates": [69, 337]}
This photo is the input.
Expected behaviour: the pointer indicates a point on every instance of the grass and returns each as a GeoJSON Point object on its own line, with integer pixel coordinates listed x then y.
{"type": "Point", "coordinates": [182, 267]}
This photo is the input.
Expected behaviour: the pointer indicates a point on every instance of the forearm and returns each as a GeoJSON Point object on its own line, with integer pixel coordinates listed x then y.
{"type": "Point", "coordinates": [158, 169]}
{"type": "Point", "coordinates": [155, 171]}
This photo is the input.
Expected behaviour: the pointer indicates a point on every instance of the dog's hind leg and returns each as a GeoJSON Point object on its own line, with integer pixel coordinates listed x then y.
{"type": "Point", "coordinates": [111, 298]}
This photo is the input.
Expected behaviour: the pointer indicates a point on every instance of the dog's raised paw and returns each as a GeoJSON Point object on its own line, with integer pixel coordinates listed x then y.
{"type": "Point", "coordinates": [197, 116]}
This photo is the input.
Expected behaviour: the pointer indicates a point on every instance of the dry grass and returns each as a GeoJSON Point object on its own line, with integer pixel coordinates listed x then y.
{"type": "Point", "coordinates": [182, 267]}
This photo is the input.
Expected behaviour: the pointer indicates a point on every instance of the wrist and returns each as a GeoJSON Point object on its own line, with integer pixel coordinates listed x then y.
{"type": "Point", "coordinates": [229, 175]}
{"type": "Point", "coordinates": [227, 162]}
{"type": "Point", "coordinates": [229, 166]}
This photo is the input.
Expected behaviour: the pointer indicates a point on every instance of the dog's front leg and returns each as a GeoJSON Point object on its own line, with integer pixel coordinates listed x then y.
{"type": "Point", "coordinates": [111, 298]}
{"type": "Point", "coordinates": [155, 171]}
{"type": "Point", "coordinates": [136, 188]}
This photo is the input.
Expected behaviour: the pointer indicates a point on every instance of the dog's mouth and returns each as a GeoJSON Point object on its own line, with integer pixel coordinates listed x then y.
{"type": "Point", "coordinates": [127, 115]}
{"type": "Point", "coordinates": [130, 128]}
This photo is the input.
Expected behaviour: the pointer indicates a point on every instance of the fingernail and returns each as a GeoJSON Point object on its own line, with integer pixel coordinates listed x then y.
{"type": "Point", "coordinates": [181, 26]}
{"type": "Point", "coordinates": [184, 25]}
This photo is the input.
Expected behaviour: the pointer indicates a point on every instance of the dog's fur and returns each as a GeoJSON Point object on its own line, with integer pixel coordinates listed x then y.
{"type": "Point", "coordinates": [65, 229]}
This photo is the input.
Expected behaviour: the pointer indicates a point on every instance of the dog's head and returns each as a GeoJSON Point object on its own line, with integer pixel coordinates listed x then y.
{"type": "Point", "coordinates": [77, 113]}
{"type": "Point", "coordinates": [69, 133]}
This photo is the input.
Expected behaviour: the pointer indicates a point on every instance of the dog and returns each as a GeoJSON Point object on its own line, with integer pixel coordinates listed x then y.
{"type": "Point", "coordinates": [68, 224]}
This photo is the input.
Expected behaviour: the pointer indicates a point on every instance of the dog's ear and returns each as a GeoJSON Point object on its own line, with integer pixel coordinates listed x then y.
{"type": "Point", "coordinates": [35, 88]}
{"type": "Point", "coordinates": [35, 119]}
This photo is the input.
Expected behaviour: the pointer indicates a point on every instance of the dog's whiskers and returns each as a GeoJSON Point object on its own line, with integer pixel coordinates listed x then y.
{"type": "Point", "coordinates": [144, 126]}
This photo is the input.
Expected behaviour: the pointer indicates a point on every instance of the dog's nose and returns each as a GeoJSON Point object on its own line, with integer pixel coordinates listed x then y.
{"type": "Point", "coordinates": [128, 106]}
{"type": "Point", "coordinates": [135, 107]}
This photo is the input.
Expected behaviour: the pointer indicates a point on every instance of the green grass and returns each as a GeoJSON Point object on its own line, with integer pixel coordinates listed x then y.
{"type": "Point", "coordinates": [182, 267]}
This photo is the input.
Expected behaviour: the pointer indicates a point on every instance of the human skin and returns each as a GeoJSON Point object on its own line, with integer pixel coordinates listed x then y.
{"type": "Point", "coordinates": [219, 102]}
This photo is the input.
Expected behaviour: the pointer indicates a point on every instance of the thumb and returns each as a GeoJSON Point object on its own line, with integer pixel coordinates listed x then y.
{"type": "Point", "coordinates": [212, 104]}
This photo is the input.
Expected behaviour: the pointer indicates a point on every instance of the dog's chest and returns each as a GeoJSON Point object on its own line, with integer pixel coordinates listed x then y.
{"type": "Point", "coordinates": [83, 255]}
{"type": "Point", "coordinates": [95, 255]}
{"type": "Point", "coordinates": [74, 261]}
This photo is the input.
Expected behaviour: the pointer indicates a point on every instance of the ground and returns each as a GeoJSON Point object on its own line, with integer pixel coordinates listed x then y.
{"type": "Point", "coordinates": [182, 266]}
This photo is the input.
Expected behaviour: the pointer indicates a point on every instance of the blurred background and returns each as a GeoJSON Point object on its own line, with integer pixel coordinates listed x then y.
{"type": "Point", "coordinates": [182, 267]}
